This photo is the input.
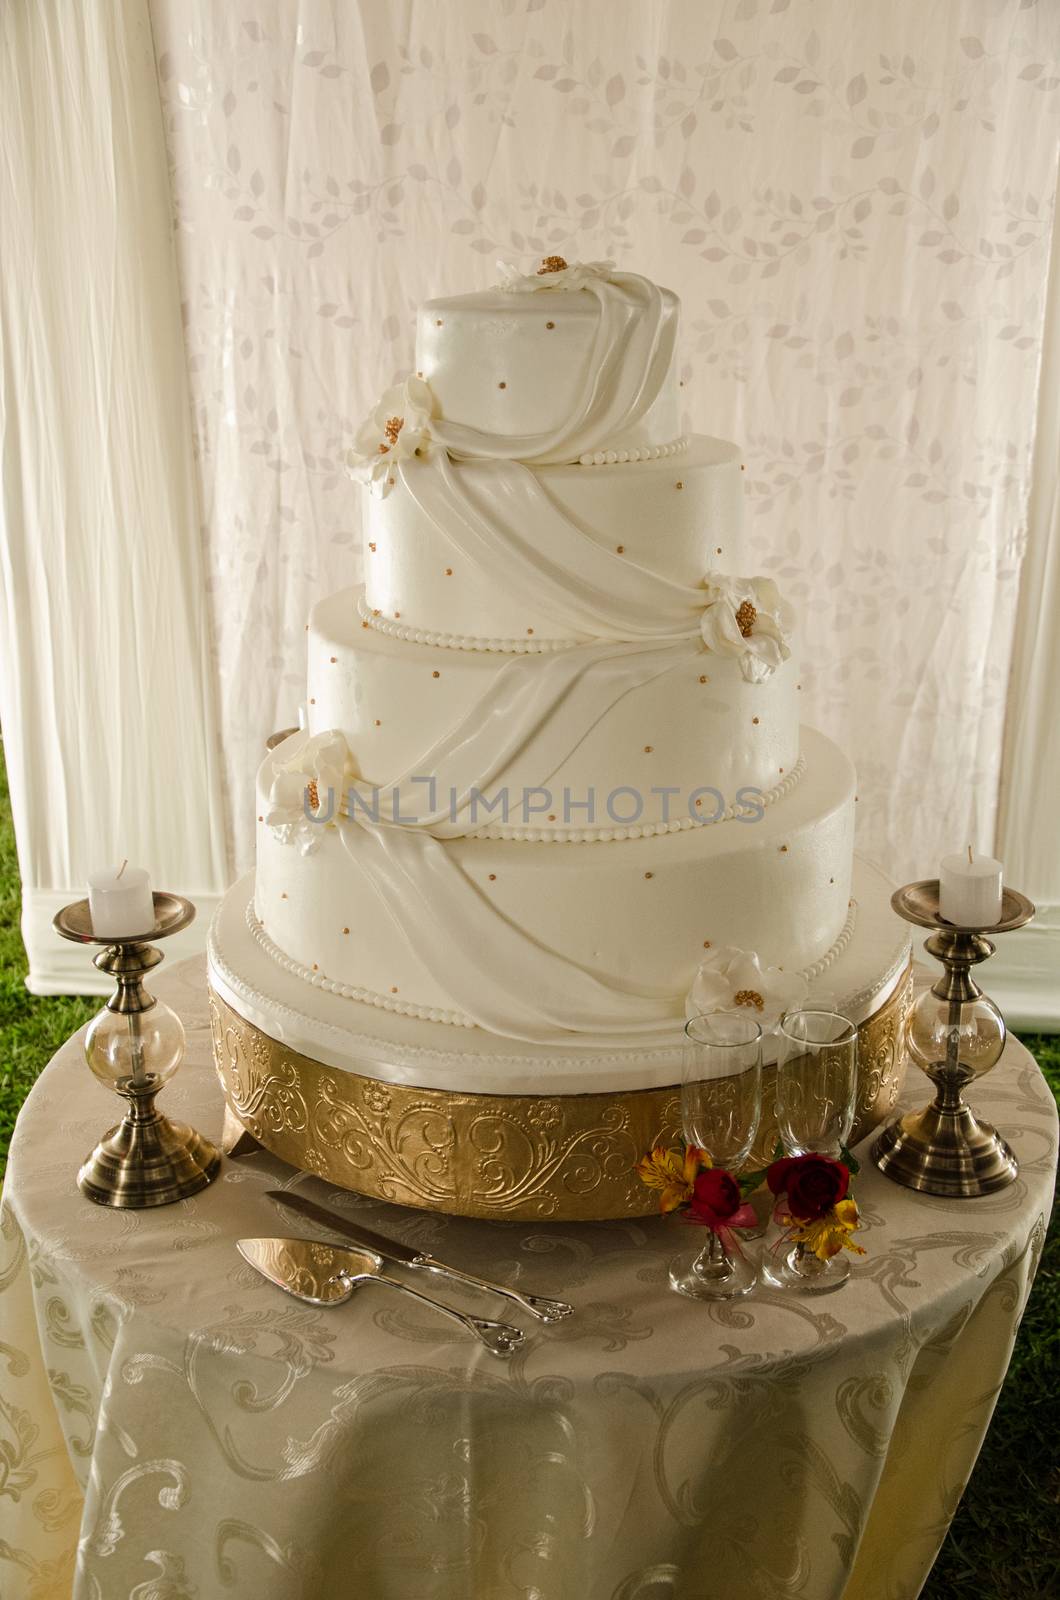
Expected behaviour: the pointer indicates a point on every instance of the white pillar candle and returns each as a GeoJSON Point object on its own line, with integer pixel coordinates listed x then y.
{"type": "Point", "coordinates": [120, 901]}
{"type": "Point", "coordinates": [970, 890]}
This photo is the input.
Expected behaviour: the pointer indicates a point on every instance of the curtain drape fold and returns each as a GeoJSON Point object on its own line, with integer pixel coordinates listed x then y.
{"type": "Point", "coordinates": [106, 697]}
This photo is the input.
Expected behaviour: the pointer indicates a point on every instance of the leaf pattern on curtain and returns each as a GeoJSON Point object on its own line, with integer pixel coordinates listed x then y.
{"type": "Point", "coordinates": [854, 205]}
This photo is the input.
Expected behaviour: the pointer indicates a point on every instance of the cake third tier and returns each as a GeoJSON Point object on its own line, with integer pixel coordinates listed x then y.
{"type": "Point", "coordinates": [599, 741]}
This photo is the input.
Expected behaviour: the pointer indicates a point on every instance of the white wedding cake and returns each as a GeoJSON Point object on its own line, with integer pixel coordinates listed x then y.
{"type": "Point", "coordinates": [552, 793]}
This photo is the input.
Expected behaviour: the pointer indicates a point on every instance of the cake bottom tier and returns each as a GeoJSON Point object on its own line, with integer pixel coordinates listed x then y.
{"type": "Point", "coordinates": [463, 1122]}
{"type": "Point", "coordinates": [539, 942]}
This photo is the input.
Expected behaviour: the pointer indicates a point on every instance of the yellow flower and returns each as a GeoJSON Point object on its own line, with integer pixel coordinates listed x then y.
{"type": "Point", "coordinates": [831, 1233]}
{"type": "Point", "coordinates": [672, 1174]}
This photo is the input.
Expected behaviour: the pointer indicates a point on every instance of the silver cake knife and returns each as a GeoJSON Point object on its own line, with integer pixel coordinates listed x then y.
{"type": "Point", "coordinates": [393, 1250]}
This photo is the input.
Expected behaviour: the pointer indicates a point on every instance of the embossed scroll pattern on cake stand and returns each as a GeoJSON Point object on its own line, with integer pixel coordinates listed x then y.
{"type": "Point", "coordinates": [508, 1157]}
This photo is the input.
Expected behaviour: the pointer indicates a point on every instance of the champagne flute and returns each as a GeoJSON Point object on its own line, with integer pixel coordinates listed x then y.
{"type": "Point", "coordinates": [721, 1102]}
{"type": "Point", "coordinates": [816, 1091]}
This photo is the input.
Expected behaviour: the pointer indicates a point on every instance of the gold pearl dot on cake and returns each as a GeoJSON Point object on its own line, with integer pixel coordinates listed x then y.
{"type": "Point", "coordinates": [781, 769]}
{"type": "Point", "coordinates": [364, 624]}
{"type": "Point", "coordinates": [621, 549]}
{"type": "Point", "coordinates": [345, 930]}
{"type": "Point", "coordinates": [312, 701]}
{"type": "Point", "coordinates": [493, 877]}
{"type": "Point", "coordinates": [648, 748]}
{"type": "Point", "coordinates": [375, 611]}
{"type": "Point", "coordinates": [742, 467]}
{"type": "Point", "coordinates": [831, 880]}
{"type": "Point", "coordinates": [783, 849]}
{"type": "Point", "coordinates": [333, 660]}
{"type": "Point", "coordinates": [717, 551]}
{"type": "Point", "coordinates": [449, 572]}
{"type": "Point", "coordinates": [755, 721]}
{"type": "Point", "coordinates": [649, 874]}
{"type": "Point", "coordinates": [502, 386]}
{"type": "Point", "coordinates": [261, 819]}
{"type": "Point", "coordinates": [435, 674]}
{"type": "Point", "coordinates": [397, 614]}
{"type": "Point", "coordinates": [529, 631]}
{"type": "Point", "coordinates": [550, 324]}
{"type": "Point", "coordinates": [283, 894]}
{"type": "Point", "coordinates": [706, 944]}
{"type": "Point", "coordinates": [315, 967]}
{"type": "Point", "coordinates": [678, 484]}
{"type": "Point", "coordinates": [393, 988]}
{"type": "Point", "coordinates": [703, 678]}
{"type": "Point", "coordinates": [437, 322]}
{"type": "Point", "coordinates": [378, 723]}
{"type": "Point", "coordinates": [372, 548]}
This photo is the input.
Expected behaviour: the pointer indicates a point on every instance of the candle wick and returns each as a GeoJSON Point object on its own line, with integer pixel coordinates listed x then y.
{"type": "Point", "coordinates": [971, 860]}
{"type": "Point", "coordinates": [125, 863]}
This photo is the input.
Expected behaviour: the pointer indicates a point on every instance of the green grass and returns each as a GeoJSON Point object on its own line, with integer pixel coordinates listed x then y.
{"type": "Point", "coordinates": [31, 1028]}
{"type": "Point", "coordinates": [1002, 1545]}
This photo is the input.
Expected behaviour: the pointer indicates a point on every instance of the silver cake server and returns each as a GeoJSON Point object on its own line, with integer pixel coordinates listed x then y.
{"type": "Point", "coordinates": [394, 1251]}
{"type": "Point", "coordinates": [327, 1275]}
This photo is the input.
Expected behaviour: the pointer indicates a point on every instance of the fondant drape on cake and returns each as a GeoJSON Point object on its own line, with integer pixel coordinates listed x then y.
{"type": "Point", "coordinates": [632, 353]}
{"type": "Point", "coordinates": [489, 969]}
{"type": "Point", "coordinates": [515, 532]}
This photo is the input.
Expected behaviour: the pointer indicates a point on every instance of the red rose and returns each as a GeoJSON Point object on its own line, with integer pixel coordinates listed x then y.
{"type": "Point", "coordinates": [813, 1184]}
{"type": "Point", "coordinates": [715, 1196]}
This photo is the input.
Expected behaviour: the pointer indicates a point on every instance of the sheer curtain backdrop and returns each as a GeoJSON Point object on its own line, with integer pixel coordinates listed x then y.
{"type": "Point", "coordinates": [106, 696]}
{"type": "Point", "coordinates": [855, 204]}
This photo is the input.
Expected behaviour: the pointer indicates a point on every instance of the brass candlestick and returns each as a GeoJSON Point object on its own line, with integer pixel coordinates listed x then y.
{"type": "Point", "coordinates": [955, 1034]}
{"type": "Point", "coordinates": [134, 1046]}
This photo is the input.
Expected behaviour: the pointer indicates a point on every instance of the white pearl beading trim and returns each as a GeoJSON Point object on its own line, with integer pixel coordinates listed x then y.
{"type": "Point", "coordinates": [642, 452]}
{"type": "Point", "coordinates": [456, 641]}
{"type": "Point", "coordinates": [647, 830]}
{"type": "Point", "coordinates": [348, 991]}
{"type": "Point", "coordinates": [846, 933]}
{"type": "Point", "coordinates": [457, 1019]}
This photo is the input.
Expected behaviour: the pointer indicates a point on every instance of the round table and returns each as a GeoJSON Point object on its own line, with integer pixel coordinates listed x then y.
{"type": "Point", "coordinates": [172, 1427]}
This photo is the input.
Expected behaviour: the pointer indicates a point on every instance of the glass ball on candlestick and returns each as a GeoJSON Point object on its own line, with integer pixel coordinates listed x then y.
{"type": "Point", "coordinates": [142, 1048]}
{"type": "Point", "coordinates": [980, 1033]}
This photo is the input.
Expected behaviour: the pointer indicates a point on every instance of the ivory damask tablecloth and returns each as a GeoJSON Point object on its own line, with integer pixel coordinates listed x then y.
{"type": "Point", "coordinates": [173, 1428]}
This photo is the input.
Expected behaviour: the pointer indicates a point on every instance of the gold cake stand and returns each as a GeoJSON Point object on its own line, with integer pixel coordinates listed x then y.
{"type": "Point", "coordinates": [567, 1158]}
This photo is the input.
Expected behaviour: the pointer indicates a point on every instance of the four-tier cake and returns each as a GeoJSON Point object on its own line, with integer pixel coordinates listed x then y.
{"type": "Point", "coordinates": [552, 794]}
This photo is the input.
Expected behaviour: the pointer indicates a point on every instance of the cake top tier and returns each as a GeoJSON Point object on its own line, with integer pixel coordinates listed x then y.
{"type": "Point", "coordinates": [552, 365]}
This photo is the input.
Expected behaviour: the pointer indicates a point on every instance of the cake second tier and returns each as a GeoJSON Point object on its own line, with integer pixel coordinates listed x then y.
{"type": "Point", "coordinates": [594, 741]}
{"type": "Point", "coordinates": [500, 555]}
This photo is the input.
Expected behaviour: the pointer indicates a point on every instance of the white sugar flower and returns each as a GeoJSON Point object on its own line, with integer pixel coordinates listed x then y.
{"type": "Point", "coordinates": [553, 273]}
{"type": "Point", "coordinates": [398, 427]}
{"type": "Point", "coordinates": [730, 979]}
{"type": "Point", "coordinates": [746, 617]}
{"type": "Point", "coordinates": [307, 793]}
